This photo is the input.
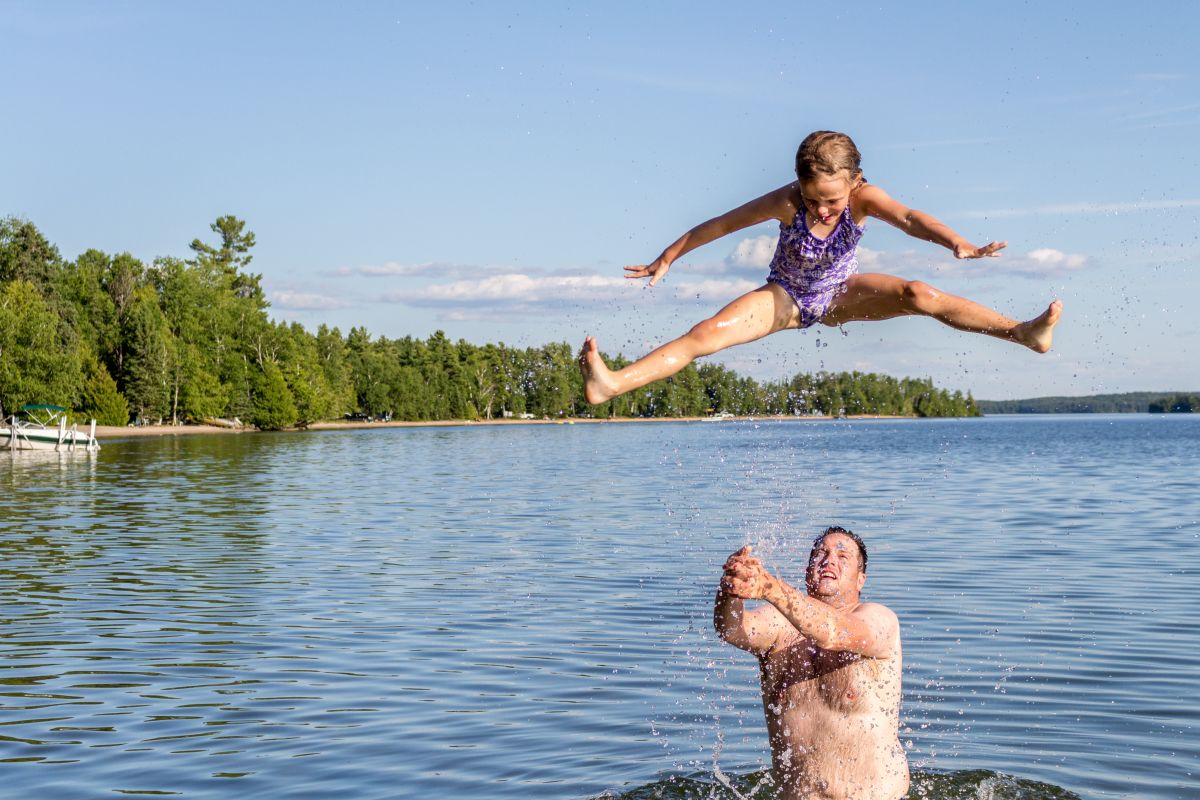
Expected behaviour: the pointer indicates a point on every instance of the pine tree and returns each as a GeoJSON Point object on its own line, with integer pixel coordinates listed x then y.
{"type": "Point", "coordinates": [274, 408]}
{"type": "Point", "coordinates": [100, 400]}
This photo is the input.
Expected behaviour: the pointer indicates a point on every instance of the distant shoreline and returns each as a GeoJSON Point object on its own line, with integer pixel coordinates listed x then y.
{"type": "Point", "coordinates": [137, 431]}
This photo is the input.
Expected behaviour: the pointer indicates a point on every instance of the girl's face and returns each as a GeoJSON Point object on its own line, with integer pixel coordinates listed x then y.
{"type": "Point", "coordinates": [826, 196]}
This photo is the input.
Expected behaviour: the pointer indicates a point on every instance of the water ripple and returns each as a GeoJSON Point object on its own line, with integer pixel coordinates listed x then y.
{"type": "Point", "coordinates": [525, 612]}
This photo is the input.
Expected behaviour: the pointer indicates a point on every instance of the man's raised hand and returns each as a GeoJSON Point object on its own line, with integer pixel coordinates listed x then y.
{"type": "Point", "coordinates": [745, 576]}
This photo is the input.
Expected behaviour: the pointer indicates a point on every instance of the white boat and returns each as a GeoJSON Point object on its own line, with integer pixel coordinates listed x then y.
{"type": "Point", "coordinates": [45, 428]}
{"type": "Point", "coordinates": [221, 422]}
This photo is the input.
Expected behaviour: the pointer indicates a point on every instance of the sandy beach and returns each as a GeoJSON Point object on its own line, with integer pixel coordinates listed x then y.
{"type": "Point", "coordinates": [117, 432]}
{"type": "Point", "coordinates": [132, 431]}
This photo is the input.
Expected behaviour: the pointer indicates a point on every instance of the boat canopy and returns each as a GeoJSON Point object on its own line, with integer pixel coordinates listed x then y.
{"type": "Point", "coordinates": [41, 407]}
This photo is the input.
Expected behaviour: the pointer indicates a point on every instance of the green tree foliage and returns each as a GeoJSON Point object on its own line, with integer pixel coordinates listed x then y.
{"type": "Point", "coordinates": [435, 379]}
{"type": "Point", "coordinates": [25, 255]}
{"type": "Point", "coordinates": [190, 339]}
{"type": "Point", "coordinates": [1126, 403]}
{"type": "Point", "coordinates": [38, 363]}
{"type": "Point", "coordinates": [151, 357]}
{"type": "Point", "coordinates": [274, 407]}
{"type": "Point", "coordinates": [1176, 404]}
{"type": "Point", "coordinates": [100, 399]}
{"type": "Point", "coordinates": [197, 392]}
{"type": "Point", "coordinates": [234, 251]}
{"type": "Point", "coordinates": [331, 355]}
{"type": "Point", "coordinates": [120, 280]}
{"type": "Point", "coordinates": [94, 314]}
{"type": "Point", "coordinates": [299, 357]}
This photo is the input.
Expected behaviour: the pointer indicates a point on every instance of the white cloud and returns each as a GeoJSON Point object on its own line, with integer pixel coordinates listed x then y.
{"type": "Point", "coordinates": [1055, 260]}
{"type": "Point", "coordinates": [1163, 112]}
{"type": "Point", "coordinates": [430, 269]}
{"type": "Point", "coordinates": [935, 143]}
{"type": "Point", "coordinates": [714, 290]}
{"type": "Point", "coordinates": [671, 83]}
{"type": "Point", "coordinates": [1179, 123]}
{"type": "Point", "coordinates": [755, 253]}
{"type": "Point", "coordinates": [1040, 263]}
{"type": "Point", "coordinates": [1082, 208]}
{"type": "Point", "coordinates": [390, 268]}
{"type": "Point", "coordinates": [1044, 262]}
{"type": "Point", "coordinates": [869, 260]}
{"type": "Point", "coordinates": [493, 315]}
{"type": "Point", "coordinates": [304, 301]}
{"type": "Point", "coordinates": [904, 263]}
{"type": "Point", "coordinates": [514, 288]}
{"type": "Point", "coordinates": [475, 299]}
{"type": "Point", "coordinates": [752, 253]}
{"type": "Point", "coordinates": [499, 296]}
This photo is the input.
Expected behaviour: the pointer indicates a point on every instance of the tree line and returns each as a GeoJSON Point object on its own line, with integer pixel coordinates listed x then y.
{"type": "Point", "coordinates": [1124, 403]}
{"type": "Point", "coordinates": [187, 339]}
{"type": "Point", "coordinates": [1176, 404]}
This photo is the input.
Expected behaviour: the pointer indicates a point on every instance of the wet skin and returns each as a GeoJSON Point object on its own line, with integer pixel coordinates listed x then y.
{"type": "Point", "coordinates": [830, 669]}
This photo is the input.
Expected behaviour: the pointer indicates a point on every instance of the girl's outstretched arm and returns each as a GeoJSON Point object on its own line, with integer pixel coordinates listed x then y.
{"type": "Point", "coordinates": [773, 205]}
{"type": "Point", "coordinates": [875, 202]}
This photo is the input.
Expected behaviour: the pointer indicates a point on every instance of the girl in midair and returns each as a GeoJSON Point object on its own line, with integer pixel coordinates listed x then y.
{"type": "Point", "coordinates": [814, 274]}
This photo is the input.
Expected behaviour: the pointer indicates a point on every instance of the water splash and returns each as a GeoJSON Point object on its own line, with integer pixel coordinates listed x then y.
{"type": "Point", "coordinates": [974, 784]}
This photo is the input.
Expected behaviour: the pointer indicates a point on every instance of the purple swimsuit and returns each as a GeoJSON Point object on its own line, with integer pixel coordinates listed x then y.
{"type": "Point", "coordinates": [814, 271]}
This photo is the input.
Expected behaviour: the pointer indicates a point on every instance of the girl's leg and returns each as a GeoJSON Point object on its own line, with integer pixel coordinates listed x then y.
{"type": "Point", "coordinates": [752, 316]}
{"type": "Point", "coordinates": [873, 296]}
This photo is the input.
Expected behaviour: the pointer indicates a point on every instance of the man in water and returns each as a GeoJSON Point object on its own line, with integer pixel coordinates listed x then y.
{"type": "Point", "coordinates": [830, 670]}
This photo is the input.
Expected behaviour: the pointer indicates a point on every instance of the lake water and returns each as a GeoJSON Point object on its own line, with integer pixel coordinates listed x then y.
{"type": "Point", "coordinates": [525, 611]}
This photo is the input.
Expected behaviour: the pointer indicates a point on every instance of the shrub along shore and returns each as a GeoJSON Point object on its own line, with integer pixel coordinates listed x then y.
{"type": "Point", "coordinates": [177, 340]}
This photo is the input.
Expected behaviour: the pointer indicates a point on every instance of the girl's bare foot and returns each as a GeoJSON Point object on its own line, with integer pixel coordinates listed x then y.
{"type": "Point", "coordinates": [1038, 333]}
{"type": "Point", "coordinates": [598, 385]}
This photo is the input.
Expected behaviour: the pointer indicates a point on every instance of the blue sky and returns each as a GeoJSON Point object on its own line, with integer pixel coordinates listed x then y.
{"type": "Point", "coordinates": [487, 168]}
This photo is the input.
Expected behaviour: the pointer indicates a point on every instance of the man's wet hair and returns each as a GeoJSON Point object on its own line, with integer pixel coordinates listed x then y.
{"type": "Point", "coordinates": [862, 547]}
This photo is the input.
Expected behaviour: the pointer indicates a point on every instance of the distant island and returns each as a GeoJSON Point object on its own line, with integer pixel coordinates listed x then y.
{"type": "Point", "coordinates": [1127, 403]}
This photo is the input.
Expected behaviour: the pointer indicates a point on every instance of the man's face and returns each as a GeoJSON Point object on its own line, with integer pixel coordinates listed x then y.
{"type": "Point", "coordinates": [835, 568]}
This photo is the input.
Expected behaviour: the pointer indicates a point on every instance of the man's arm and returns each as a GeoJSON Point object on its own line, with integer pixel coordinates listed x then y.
{"type": "Point", "coordinates": [755, 630]}
{"type": "Point", "coordinates": [875, 202]}
{"type": "Point", "coordinates": [773, 205]}
{"type": "Point", "coordinates": [870, 630]}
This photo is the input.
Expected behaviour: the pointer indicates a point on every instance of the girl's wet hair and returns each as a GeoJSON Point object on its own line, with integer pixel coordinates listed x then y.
{"type": "Point", "coordinates": [826, 153]}
{"type": "Point", "coordinates": [862, 547]}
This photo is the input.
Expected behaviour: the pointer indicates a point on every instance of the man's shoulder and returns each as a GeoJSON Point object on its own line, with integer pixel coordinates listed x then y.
{"type": "Point", "coordinates": [877, 612]}
{"type": "Point", "coordinates": [885, 629]}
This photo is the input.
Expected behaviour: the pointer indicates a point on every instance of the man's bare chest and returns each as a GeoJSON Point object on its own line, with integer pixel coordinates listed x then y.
{"type": "Point", "coordinates": [805, 675]}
